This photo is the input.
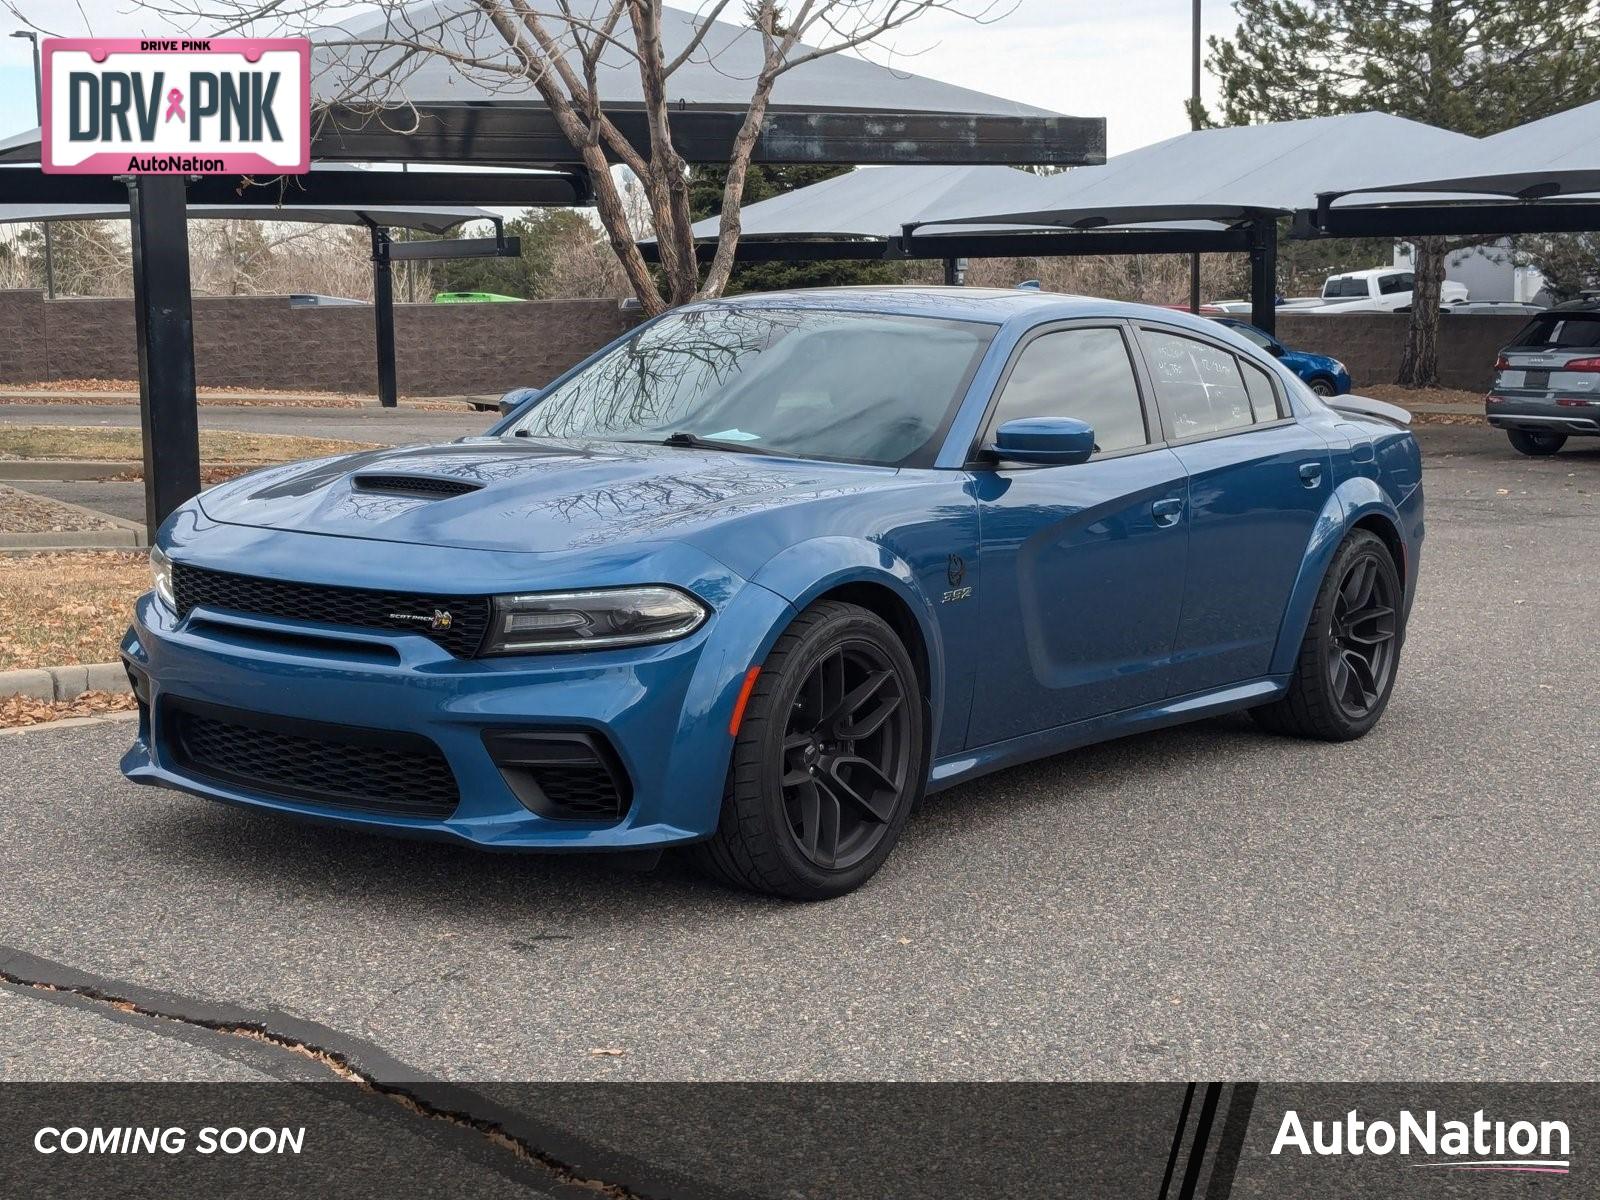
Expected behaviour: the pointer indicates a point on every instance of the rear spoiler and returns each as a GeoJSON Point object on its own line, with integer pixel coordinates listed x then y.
{"type": "Point", "coordinates": [1366, 406]}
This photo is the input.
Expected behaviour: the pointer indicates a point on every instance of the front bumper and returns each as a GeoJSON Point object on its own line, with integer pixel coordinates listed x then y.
{"type": "Point", "coordinates": [1577, 415]}
{"type": "Point", "coordinates": [663, 710]}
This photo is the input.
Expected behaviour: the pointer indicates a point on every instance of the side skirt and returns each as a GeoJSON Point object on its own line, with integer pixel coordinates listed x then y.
{"type": "Point", "coordinates": [1175, 710]}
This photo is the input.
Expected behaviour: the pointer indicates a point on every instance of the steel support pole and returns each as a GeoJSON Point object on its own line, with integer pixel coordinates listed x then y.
{"type": "Point", "coordinates": [383, 314]}
{"type": "Point", "coordinates": [1194, 123]}
{"type": "Point", "coordinates": [169, 415]}
{"type": "Point", "coordinates": [1264, 274]}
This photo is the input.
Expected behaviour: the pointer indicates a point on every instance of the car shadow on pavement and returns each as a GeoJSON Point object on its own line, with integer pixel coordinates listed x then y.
{"type": "Point", "coordinates": [265, 853]}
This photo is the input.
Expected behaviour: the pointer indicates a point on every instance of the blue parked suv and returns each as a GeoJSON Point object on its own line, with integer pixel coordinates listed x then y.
{"type": "Point", "coordinates": [1323, 375]}
{"type": "Point", "coordinates": [764, 571]}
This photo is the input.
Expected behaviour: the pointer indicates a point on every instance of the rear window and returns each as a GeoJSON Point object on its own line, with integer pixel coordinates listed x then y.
{"type": "Point", "coordinates": [1562, 330]}
{"type": "Point", "coordinates": [1344, 287]}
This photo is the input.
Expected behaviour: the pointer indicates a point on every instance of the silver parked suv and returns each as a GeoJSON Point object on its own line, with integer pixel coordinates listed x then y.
{"type": "Point", "coordinates": [1547, 381]}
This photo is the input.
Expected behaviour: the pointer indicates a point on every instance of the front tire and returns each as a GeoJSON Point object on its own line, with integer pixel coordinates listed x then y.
{"type": "Point", "coordinates": [1351, 652]}
{"type": "Point", "coordinates": [1322, 387]}
{"type": "Point", "coordinates": [828, 763]}
{"type": "Point", "coordinates": [1536, 443]}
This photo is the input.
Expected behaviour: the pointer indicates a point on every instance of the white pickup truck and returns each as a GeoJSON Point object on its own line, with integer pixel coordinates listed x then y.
{"type": "Point", "coordinates": [1382, 289]}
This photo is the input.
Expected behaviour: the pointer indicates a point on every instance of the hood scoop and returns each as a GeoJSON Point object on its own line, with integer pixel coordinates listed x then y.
{"type": "Point", "coordinates": [420, 487]}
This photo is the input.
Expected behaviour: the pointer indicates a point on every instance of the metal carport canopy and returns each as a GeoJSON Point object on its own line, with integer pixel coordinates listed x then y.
{"type": "Point", "coordinates": [862, 215]}
{"type": "Point", "coordinates": [1556, 156]}
{"type": "Point", "coordinates": [1542, 177]}
{"type": "Point", "coordinates": [1243, 174]}
{"type": "Point", "coordinates": [1232, 174]}
{"type": "Point", "coordinates": [835, 109]}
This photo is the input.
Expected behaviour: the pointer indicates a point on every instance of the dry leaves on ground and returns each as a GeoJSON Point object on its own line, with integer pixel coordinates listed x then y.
{"type": "Point", "coordinates": [59, 610]}
{"type": "Point", "coordinates": [19, 710]}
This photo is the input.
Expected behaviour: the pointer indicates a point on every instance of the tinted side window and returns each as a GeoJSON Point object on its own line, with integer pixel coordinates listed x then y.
{"type": "Point", "coordinates": [1263, 396]}
{"type": "Point", "coordinates": [1082, 373]}
{"type": "Point", "coordinates": [1197, 384]}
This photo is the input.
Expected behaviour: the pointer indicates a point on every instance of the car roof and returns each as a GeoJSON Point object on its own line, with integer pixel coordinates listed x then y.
{"type": "Point", "coordinates": [995, 306]}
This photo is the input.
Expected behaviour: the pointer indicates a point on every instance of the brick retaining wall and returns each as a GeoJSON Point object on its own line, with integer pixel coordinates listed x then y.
{"type": "Point", "coordinates": [1370, 344]}
{"type": "Point", "coordinates": [444, 349]}
{"type": "Point", "coordinates": [260, 342]}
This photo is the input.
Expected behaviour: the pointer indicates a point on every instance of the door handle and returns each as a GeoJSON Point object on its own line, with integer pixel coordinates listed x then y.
{"type": "Point", "coordinates": [1167, 512]}
{"type": "Point", "coordinates": [1311, 474]}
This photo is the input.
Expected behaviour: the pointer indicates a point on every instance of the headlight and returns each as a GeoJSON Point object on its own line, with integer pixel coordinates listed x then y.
{"type": "Point", "coordinates": [593, 620]}
{"type": "Point", "coordinates": [161, 577]}
{"type": "Point", "coordinates": [1340, 367]}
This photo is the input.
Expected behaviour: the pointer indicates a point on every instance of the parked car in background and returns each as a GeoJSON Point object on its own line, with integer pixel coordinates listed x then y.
{"type": "Point", "coordinates": [767, 569]}
{"type": "Point", "coordinates": [1323, 375]}
{"type": "Point", "coordinates": [315, 300]}
{"type": "Point", "coordinates": [1547, 381]}
{"type": "Point", "coordinates": [476, 298]}
{"type": "Point", "coordinates": [1382, 289]}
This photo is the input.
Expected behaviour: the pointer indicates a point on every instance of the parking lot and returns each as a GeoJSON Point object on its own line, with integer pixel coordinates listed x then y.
{"type": "Point", "coordinates": [1207, 902]}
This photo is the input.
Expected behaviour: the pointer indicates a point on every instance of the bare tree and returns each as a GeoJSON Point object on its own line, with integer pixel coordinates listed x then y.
{"type": "Point", "coordinates": [568, 51]}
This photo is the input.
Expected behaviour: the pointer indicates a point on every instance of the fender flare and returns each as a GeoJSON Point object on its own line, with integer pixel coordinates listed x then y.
{"type": "Point", "coordinates": [1352, 501]}
{"type": "Point", "coordinates": [808, 570]}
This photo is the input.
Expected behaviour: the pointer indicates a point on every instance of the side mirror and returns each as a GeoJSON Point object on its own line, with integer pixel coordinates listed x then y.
{"type": "Point", "coordinates": [1044, 441]}
{"type": "Point", "coordinates": [1275, 349]}
{"type": "Point", "coordinates": [515, 399]}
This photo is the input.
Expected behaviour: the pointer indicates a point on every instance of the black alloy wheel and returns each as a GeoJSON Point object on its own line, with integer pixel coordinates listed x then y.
{"type": "Point", "coordinates": [846, 755]}
{"type": "Point", "coordinates": [1363, 630]}
{"type": "Point", "coordinates": [1350, 654]}
{"type": "Point", "coordinates": [828, 762]}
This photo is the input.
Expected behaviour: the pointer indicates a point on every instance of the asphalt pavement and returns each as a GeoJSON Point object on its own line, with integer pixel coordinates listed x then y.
{"type": "Point", "coordinates": [1205, 902]}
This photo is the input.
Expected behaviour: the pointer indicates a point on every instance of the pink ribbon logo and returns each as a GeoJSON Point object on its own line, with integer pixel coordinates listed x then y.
{"type": "Point", "coordinates": [174, 105]}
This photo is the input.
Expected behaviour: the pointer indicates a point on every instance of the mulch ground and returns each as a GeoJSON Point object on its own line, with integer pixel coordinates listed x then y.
{"type": "Point", "coordinates": [23, 512]}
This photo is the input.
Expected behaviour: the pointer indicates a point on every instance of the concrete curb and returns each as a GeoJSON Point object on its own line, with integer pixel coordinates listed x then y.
{"type": "Point", "coordinates": [64, 683]}
{"type": "Point", "coordinates": [63, 468]}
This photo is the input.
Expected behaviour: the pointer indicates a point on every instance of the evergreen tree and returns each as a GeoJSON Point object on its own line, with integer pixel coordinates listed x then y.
{"type": "Point", "coordinates": [1473, 66]}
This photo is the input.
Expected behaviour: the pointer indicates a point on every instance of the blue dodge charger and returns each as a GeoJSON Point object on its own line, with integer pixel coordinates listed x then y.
{"type": "Point", "coordinates": [759, 575]}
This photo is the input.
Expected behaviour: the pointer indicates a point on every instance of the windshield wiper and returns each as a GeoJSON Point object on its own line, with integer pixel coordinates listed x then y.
{"type": "Point", "coordinates": [695, 442]}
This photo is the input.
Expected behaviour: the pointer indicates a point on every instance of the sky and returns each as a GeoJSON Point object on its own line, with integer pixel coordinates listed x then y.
{"type": "Point", "coordinates": [1127, 62]}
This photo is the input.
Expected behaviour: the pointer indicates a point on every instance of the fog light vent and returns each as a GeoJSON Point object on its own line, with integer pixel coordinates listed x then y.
{"type": "Point", "coordinates": [566, 775]}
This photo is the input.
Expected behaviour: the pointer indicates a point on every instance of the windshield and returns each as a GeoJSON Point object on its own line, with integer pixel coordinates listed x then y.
{"type": "Point", "coordinates": [814, 383]}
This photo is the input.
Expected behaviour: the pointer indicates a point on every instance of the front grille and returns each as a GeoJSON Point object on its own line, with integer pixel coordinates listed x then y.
{"type": "Point", "coordinates": [423, 486]}
{"type": "Point", "coordinates": [464, 619]}
{"type": "Point", "coordinates": [567, 775]}
{"type": "Point", "coordinates": [344, 766]}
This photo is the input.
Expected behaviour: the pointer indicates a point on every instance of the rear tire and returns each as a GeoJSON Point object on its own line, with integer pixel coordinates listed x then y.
{"type": "Point", "coordinates": [1351, 653]}
{"type": "Point", "coordinates": [828, 763]}
{"type": "Point", "coordinates": [1536, 443]}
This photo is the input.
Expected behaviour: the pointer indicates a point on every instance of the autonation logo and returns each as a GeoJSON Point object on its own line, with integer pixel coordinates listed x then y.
{"type": "Point", "coordinates": [1479, 1144]}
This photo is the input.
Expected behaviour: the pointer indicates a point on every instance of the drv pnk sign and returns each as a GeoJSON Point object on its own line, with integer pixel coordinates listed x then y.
{"type": "Point", "coordinates": [169, 106]}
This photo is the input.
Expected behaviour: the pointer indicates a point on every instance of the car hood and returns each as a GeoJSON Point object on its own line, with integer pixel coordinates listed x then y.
{"type": "Point", "coordinates": [523, 495]}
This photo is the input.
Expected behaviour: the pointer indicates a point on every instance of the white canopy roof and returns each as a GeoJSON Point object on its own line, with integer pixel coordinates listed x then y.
{"type": "Point", "coordinates": [1556, 156]}
{"type": "Point", "coordinates": [877, 202]}
{"type": "Point", "coordinates": [720, 73]}
{"type": "Point", "coordinates": [1229, 174]}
